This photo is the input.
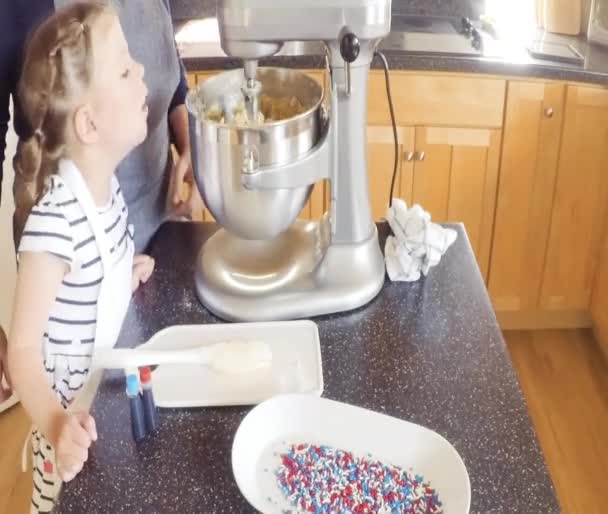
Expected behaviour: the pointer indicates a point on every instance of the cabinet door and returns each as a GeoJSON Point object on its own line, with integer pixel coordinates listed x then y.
{"type": "Point", "coordinates": [380, 165]}
{"type": "Point", "coordinates": [455, 176]}
{"type": "Point", "coordinates": [599, 304]}
{"type": "Point", "coordinates": [191, 79]}
{"type": "Point", "coordinates": [531, 141]}
{"type": "Point", "coordinates": [580, 204]}
{"type": "Point", "coordinates": [201, 76]}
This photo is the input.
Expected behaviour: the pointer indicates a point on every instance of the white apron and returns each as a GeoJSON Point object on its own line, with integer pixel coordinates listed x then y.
{"type": "Point", "coordinates": [112, 305]}
{"type": "Point", "coordinates": [115, 288]}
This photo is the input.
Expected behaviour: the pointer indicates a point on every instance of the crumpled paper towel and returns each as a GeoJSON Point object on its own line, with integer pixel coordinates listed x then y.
{"type": "Point", "coordinates": [417, 245]}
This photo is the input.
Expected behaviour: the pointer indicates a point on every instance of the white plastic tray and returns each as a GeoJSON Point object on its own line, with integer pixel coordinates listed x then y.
{"type": "Point", "coordinates": [296, 364]}
{"type": "Point", "coordinates": [271, 427]}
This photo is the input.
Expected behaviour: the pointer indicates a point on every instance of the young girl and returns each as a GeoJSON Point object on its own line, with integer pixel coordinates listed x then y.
{"type": "Point", "coordinates": [85, 101]}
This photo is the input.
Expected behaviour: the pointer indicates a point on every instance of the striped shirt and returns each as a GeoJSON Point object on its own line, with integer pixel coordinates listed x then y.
{"type": "Point", "coordinates": [57, 225]}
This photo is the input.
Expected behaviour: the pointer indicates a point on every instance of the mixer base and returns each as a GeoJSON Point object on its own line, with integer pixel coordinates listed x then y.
{"type": "Point", "coordinates": [296, 275]}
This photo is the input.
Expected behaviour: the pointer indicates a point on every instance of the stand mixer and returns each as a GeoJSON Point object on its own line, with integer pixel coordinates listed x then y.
{"type": "Point", "coordinates": [255, 179]}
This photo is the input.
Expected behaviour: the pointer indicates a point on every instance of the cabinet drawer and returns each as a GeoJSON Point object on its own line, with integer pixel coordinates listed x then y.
{"type": "Point", "coordinates": [437, 100]}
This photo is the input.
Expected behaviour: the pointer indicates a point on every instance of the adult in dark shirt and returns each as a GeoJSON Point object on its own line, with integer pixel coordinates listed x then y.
{"type": "Point", "coordinates": [148, 173]}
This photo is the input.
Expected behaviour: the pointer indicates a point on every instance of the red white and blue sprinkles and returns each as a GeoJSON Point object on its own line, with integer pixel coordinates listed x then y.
{"type": "Point", "coordinates": [326, 480]}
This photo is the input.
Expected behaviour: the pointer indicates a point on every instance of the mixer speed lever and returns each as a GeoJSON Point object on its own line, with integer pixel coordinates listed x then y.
{"type": "Point", "coordinates": [349, 49]}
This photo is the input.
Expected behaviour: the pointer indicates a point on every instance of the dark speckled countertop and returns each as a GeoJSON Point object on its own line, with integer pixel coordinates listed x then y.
{"type": "Point", "coordinates": [429, 352]}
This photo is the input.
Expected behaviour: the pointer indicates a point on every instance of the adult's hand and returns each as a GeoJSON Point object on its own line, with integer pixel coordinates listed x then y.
{"type": "Point", "coordinates": [184, 198]}
{"type": "Point", "coordinates": [5, 390]}
{"type": "Point", "coordinates": [143, 266]}
{"type": "Point", "coordinates": [182, 186]}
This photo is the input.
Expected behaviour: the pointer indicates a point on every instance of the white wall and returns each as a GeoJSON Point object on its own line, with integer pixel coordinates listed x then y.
{"type": "Point", "coordinates": [7, 252]}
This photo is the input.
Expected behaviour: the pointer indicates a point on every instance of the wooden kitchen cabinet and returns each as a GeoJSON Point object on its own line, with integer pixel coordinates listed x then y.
{"type": "Point", "coordinates": [552, 205]}
{"type": "Point", "coordinates": [450, 172]}
{"type": "Point", "coordinates": [580, 207]}
{"type": "Point", "coordinates": [191, 79]}
{"type": "Point", "coordinates": [431, 99]}
{"type": "Point", "coordinates": [317, 203]}
{"type": "Point", "coordinates": [599, 302]}
{"type": "Point", "coordinates": [454, 178]}
{"type": "Point", "coordinates": [449, 146]}
{"type": "Point", "coordinates": [530, 150]}
{"type": "Point", "coordinates": [204, 75]}
{"type": "Point", "coordinates": [380, 166]}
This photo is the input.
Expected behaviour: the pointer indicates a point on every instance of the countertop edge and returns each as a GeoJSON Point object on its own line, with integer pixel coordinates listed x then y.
{"type": "Point", "coordinates": [422, 63]}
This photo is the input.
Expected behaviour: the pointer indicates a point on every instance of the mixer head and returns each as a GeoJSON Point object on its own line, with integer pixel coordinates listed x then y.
{"type": "Point", "coordinates": [253, 29]}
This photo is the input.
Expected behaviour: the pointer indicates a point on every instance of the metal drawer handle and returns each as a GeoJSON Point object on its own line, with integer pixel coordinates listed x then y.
{"type": "Point", "coordinates": [549, 112]}
{"type": "Point", "coordinates": [409, 156]}
{"type": "Point", "coordinates": [419, 156]}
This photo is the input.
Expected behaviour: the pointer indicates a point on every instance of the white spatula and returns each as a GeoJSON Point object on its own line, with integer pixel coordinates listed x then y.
{"type": "Point", "coordinates": [229, 357]}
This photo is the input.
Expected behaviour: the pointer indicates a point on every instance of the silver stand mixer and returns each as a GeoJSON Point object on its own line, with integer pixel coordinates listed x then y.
{"type": "Point", "coordinates": [255, 179]}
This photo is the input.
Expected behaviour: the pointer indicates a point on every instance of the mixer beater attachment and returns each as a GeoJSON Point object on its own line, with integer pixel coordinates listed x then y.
{"type": "Point", "coordinates": [251, 90]}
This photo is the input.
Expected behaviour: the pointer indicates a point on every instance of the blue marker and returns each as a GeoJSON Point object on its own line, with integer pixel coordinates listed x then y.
{"type": "Point", "coordinates": [138, 424]}
{"type": "Point", "coordinates": [150, 412]}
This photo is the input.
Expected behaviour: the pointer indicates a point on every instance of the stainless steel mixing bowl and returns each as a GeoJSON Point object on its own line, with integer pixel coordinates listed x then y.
{"type": "Point", "coordinates": [219, 149]}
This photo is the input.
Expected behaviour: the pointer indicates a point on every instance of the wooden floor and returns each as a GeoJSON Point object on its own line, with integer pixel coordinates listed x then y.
{"type": "Point", "coordinates": [564, 377]}
{"type": "Point", "coordinates": [15, 485]}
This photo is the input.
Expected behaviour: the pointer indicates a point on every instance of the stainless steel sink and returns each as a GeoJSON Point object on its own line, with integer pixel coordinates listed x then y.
{"type": "Point", "coordinates": [425, 24]}
{"type": "Point", "coordinates": [430, 43]}
{"type": "Point", "coordinates": [428, 35]}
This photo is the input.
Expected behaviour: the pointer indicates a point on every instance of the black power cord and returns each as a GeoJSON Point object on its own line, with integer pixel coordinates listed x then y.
{"type": "Point", "coordinates": [390, 105]}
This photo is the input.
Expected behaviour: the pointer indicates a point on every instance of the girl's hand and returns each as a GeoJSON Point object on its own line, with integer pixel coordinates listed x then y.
{"type": "Point", "coordinates": [143, 266]}
{"type": "Point", "coordinates": [72, 439]}
{"type": "Point", "coordinates": [5, 392]}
